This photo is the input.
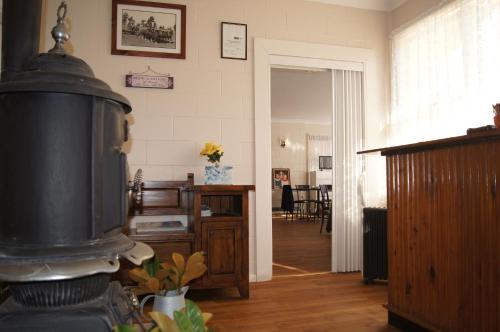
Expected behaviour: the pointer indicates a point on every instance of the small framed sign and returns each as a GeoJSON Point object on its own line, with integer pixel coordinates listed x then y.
{"type": "Point", "coordinates": [148, 81]}
{"type": "Point", "coordinates": [233, 41]}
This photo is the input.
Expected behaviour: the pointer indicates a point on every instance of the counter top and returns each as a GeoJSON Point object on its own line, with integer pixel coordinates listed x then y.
{"type": "Point", "coordinates": [223, 187]}
{"type": "Point", "coordinates": [437, 144]}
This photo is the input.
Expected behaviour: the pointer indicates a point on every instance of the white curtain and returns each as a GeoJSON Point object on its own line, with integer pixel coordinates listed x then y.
{"type": "Point", "coordinates": [317, 145]}
{"type": "Point", "coordinates": [348, 167]}
{"type": "Point", "coordinates": [445, 72]}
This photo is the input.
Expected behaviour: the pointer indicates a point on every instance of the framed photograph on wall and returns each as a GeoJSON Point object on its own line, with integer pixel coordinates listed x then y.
{"type": "Point", "coordinates": [325, 162]}
{"type": "Point", "coordinates": [281, 177]}
{"type": "Point", "coordinates": [152, 29]}
{"type": "Point", "coordinates": [233, 41]}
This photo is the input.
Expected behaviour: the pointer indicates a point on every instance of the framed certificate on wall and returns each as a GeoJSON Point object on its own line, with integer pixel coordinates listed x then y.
{"type": "Point", "coordinates": [233, 41]}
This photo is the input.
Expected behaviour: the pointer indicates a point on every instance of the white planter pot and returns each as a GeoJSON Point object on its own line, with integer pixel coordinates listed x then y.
{"type": "Point", "coordinates": [215, 174]}
{"type": "Point", "coordinates": [168, 303]}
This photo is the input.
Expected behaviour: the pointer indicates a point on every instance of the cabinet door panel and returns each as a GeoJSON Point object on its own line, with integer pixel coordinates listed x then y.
{"type": "Point", "coordinates": [222, 242]}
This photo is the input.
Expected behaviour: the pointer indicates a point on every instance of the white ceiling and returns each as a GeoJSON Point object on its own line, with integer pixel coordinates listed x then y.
{"type": "Point", "coordinates": [383, 5]}
{"type": "Point", "coordinates": [300, 96]}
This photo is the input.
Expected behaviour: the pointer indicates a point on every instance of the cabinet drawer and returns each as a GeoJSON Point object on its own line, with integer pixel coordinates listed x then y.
{"type": "Point", "coordinates": [164, 251]}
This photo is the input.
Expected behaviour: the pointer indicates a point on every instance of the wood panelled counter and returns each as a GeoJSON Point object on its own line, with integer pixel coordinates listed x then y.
{"type": "Point", "coordinates": [444, 233]}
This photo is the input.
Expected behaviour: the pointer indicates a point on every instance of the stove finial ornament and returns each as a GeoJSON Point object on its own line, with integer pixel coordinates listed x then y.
{"type": "Point", "coordinates": [59, 32]}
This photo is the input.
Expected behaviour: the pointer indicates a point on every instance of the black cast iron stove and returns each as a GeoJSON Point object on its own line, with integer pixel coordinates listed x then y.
{"type": "Point", "coordinates": [63, 187]}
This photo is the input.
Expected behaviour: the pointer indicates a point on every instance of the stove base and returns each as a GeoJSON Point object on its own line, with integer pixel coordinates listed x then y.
{"type": "Point", "coordinates": [99, 315]}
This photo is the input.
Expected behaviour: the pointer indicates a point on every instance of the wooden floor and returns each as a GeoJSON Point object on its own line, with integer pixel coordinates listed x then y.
{"type": "Point", "coordinates": [299, 248]}
{"type": "Point", "coordinates": [324, 302]}
{"type": "Point", "coordinates": [302, 296]}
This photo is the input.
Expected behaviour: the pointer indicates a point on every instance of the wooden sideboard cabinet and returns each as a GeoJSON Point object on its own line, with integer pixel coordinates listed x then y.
{"type": "Point", "coordinates": [222, 235]}
{"type": "Point", "coordinates": [444, 233]}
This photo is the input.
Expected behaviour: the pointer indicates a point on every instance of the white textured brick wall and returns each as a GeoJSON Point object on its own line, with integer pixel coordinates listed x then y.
{"type": "Point", "coordinates": [213, 97]}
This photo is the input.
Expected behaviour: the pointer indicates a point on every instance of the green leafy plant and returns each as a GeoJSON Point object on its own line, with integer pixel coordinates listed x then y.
{"type": "Point", "coordinates": [189, 319]}
{"type": "Point", "coordinates": [124, 328]}
{"type": "Point", "coordinates": [159, 278]}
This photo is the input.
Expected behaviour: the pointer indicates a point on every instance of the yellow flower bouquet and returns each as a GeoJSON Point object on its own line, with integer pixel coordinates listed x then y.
{"type": "Point", "coordinates": [213, 152]}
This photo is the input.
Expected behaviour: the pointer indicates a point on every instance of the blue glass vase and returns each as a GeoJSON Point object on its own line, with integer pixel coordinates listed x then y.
{"type": "Point", "coordinates": [216, 174]}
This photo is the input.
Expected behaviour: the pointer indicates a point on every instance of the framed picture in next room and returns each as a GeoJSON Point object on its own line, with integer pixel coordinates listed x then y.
{"type": "Point", "coordinates": [152, 29]}
{"type": "Point", "coordinates": [281, 177]}
{"type": "Point", "coordinates": [233, 41]}
{"type": "Point", "coordinates": [325, 162]}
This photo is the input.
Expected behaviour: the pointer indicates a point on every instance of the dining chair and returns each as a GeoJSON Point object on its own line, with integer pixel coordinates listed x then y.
{"type": "Point", "coordinates": [325, 205]}
{"type": "Point", "coordinates": [308, 203]}
{"type": "Point", "coordinates": [301, 200]}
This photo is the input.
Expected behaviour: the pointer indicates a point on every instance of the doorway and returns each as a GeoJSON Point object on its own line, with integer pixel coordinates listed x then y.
{"type": "Point", "coordinates": [346, 224]}
{"type": "Point", "coordinates": [301, 128]}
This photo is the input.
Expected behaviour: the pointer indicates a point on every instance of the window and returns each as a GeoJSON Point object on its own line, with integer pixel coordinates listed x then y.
{"type": "Point", "coordinates": [445, 72]}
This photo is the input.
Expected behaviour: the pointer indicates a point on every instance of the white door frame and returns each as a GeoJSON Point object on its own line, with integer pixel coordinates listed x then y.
{"type": "Point", "coordinates": [268, 52]}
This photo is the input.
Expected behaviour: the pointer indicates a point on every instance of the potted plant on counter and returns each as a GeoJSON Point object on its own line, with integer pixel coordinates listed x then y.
{"type": "Point", "coordinates": [496, 118]}
{"type": "Point", "coordinates": [167, 283]}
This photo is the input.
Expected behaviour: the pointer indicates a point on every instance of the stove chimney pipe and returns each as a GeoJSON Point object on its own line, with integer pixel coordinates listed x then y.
{"type": "Point", "coordinates": [21, 21]}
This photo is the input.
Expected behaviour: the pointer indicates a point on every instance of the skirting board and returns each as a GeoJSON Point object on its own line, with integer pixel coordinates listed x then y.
{"type": "Point", "coordinates": [404, 324]}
